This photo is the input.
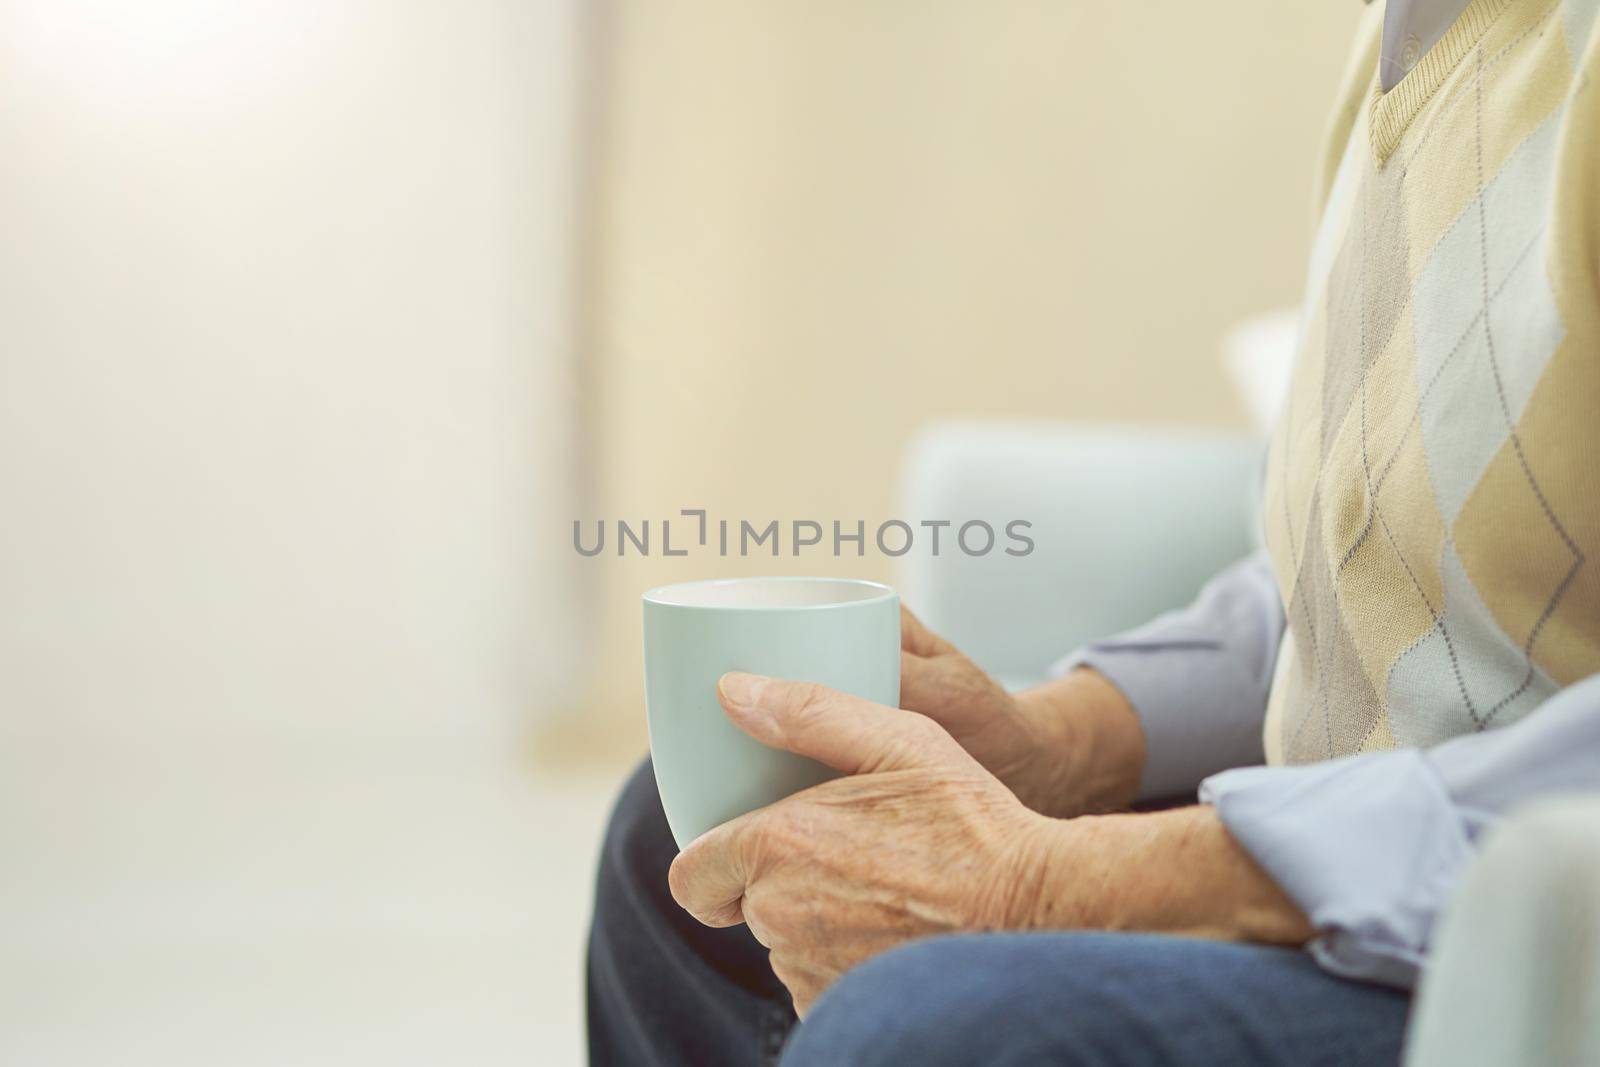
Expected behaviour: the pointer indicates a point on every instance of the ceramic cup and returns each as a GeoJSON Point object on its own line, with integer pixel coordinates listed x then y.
{"type": "Point", "coordinates": [841, 633]}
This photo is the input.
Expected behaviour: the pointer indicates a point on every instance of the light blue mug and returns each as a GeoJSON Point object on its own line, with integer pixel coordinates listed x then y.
{"type": "Point", "coordinates": [842, 633]}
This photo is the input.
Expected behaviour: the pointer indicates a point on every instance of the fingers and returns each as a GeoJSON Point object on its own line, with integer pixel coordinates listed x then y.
{"type": "Point", "coordinates": [918, 639]}
{"type": "Point", "coordinates": [805, 984]}
{"type": "Point", "coordinates": [925, 684]}
{"type": "Point", "coordinates": [708, 878]}
{"type": "Point", "coordinates": [849, 734]}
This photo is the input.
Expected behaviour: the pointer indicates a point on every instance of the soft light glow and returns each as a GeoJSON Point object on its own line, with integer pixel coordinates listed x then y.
{"type": "Point", "coordinates": [129, 52]}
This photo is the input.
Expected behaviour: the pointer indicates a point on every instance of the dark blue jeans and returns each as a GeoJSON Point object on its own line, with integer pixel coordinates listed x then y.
{"type": "Point", "coordinates": [665, 990]}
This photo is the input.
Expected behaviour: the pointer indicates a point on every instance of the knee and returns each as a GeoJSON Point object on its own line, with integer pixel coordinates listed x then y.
{"type": "Point", "coordinates": [638, 846]}
{"type": "Point", "coordinates": [947, 1000]}
{"type": "Point", "coordinates": [639, 939]}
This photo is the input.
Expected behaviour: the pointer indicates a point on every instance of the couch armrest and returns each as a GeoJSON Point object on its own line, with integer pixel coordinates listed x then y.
{"type": "Point", "coordinates": [1514, 971]}
{"type": "Point", "coordinates": [1127, 522]}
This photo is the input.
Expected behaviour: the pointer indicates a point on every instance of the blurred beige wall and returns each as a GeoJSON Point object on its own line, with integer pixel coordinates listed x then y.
{"type": "Point", "coordinates": [819, 224]}
{"type": "Point", "coordinates": [285, 395]}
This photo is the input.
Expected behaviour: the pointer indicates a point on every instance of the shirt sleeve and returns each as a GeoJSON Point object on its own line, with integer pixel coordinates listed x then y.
{"type": "Point", "coordinates": [1372, 846]}
{"type": "Point", "coordinates": [1198, 677]}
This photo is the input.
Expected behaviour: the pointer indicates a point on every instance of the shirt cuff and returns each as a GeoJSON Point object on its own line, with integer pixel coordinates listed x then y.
{"type": "Point", "coordinates": [1197, 678]}
{"type": "Point", "coordinates": [1192, 726]}
{"type": "Point", "coordinates": [1369, 846]}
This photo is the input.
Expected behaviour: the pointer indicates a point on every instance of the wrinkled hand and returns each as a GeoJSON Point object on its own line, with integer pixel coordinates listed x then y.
{"type": "Point", "coordinates": [1022, 742]}
{"type": "Point", "coordinates": [917, 840]}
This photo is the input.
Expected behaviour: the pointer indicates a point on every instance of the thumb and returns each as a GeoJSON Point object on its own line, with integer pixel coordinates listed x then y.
{"type": "Point", "coordinates": [849, 734]}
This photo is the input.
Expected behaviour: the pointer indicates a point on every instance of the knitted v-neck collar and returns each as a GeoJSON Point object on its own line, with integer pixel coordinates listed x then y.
{"type": "Point", "coordinates": [1391, 112]}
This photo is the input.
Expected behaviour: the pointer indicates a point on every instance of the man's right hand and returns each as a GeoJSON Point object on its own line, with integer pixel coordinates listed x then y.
{"type": "Point", "coordinates": [1067, 747]}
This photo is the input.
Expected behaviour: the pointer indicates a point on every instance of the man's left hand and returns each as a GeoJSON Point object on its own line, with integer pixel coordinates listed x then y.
{"type": "Point", "coordinates": [917, 839]}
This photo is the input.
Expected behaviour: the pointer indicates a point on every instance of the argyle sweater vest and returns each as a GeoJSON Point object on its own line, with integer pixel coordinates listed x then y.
{"type": "Point", "coordinates": [1432, 499]}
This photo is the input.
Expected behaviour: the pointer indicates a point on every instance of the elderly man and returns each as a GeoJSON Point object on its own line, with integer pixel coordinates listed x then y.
{"type": "Point", "coordinates": [1413, 655]}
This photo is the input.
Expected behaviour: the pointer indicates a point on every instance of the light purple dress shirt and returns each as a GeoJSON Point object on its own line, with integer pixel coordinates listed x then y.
{"type": "Point", "coordinates": [1370, 846]}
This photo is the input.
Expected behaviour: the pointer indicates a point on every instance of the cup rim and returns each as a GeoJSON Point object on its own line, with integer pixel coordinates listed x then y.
{"type": "Point", "coordinates": [655, 594]}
